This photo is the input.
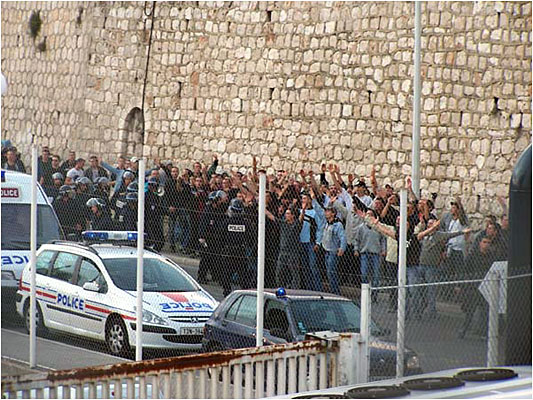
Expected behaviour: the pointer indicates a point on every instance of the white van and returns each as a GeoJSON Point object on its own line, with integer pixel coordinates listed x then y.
{"type": "Point", "coordinates": [15, 246]}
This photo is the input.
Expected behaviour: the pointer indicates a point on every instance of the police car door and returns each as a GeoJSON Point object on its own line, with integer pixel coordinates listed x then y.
{"type": "Point", "coordinates": [59, 282]}
{"type": "Point", "coordinates": [93, 294]}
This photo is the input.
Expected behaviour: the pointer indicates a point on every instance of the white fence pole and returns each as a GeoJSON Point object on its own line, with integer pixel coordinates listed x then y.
{"type": "Point", "coordinates": [402, 270]}
{"type": "Point", "coordinates": [140, 254]}
{"type": "Point", "coordinates": [261, 260]}
{"type": "Point", "coordinates": [349, 360]}
{"type": "Point", "coordinates": [33, 256]}
{"type": "Point", "coordinates": [416, 107]}
{"type": "Point", "coordinates": [493, 328]}
{"type": "Point", "coordinates": [366, 304]}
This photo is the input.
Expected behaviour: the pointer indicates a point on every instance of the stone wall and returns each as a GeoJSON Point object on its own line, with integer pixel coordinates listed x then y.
{"type": "Point", "coordinates": [294, 83]}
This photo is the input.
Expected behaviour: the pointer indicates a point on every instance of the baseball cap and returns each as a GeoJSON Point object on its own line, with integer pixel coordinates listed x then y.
{"type": "Point", "coordinates": [134, 159]}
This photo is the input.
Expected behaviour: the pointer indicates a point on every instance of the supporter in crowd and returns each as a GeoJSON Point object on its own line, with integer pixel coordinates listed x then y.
{"type": "Point", "coordinates": [314, 228]}
{"type": "Point", "coordinates": [432, 242]}
{"type": "Point", "coordinates": [69, 163]}
{"type": "Point", "coordinates": [13, 162]}
{"type": "Point", "coordinates": [476, 265]}
{"type": "Point", "coordinates": [95, 171]}
{"type": "Point", "coordinates": [77, 171]}
{"type": "Point", "coordinates": [370, 245]}
{"type": "Point", "coordinates": [44, 167]}
{"type": "Point", "coordinates": [454, 221]}
{"type": "Point", "coordinates": [333, 242]}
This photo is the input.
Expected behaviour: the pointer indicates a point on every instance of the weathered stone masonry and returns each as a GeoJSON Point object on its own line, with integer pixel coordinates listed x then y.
{"type": "Point", "coordinates": [294, 83]}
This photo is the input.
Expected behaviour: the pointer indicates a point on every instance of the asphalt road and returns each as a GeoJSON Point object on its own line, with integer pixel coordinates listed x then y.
{"type": "Point", "coordinates": [435, 341]}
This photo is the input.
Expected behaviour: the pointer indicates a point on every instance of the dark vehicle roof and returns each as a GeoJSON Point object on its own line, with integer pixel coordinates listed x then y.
{"type": "Point", "coordinates": [299, 294]}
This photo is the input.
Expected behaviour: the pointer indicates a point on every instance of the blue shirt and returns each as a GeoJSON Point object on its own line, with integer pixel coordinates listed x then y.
{"type": "Point", "coordinates": [333, 237]}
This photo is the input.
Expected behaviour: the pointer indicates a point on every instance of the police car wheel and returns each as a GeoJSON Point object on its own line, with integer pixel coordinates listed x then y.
{"type": "Point", "coordinates": [40, 327]}
{"type": "Point", "coordinates": [117, 337]}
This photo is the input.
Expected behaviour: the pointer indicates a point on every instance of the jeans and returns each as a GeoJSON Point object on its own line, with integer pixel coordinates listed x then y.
{"type": "Point", "coordinates": [171, 235]}
{"type": "Point", "coordinates": [182, 228]}
{"type": "Point", "coordinates": [310, 273]}
{"type": "Point", "coordinates": [414, 299]}
{"type": "Point", "coordinates": [454, 264]}
{"type": "Point", "coordinates": [331, 269]}
{"type": "Point", "coordinates": [287, 273]}
{"type": "Point", "coordinates": [370, 263]}
{"type": "Point", "coordinates": [430, 275]}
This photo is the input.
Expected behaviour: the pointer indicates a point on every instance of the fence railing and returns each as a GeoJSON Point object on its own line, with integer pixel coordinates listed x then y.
{"type": "Point", "coordinates": [241, 373]}
{"type": "Point", "coordinates": [468, 320]}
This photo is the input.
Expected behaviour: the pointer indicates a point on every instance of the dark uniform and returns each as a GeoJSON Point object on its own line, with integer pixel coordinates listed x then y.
{"type": "Point", "coordinates": [129, 216]}
{"type": "Point", "coordinates": [153, 220]}
{"type": "Point", "coordinates": [212, 230]}
{"type": "Point", "coordinates": [68, 212]}
{"type": "Point", "coordinates": [235, 231]}
{"type": "Point", "coordinates": [51, 192]}
{"type": "Point", "coordinates": [101, 221]}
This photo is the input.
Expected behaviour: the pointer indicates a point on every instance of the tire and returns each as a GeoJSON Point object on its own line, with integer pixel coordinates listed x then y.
{"type": "Point", "coordinates": [116, 337]}
{"type": "Point", "coordinates": [41, 327]}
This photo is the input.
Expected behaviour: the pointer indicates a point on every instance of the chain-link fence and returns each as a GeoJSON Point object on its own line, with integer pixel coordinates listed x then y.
{"type": "Point", "coordinates": [201, 239]}
{"type": "Point", "coordinates": [447, 324]}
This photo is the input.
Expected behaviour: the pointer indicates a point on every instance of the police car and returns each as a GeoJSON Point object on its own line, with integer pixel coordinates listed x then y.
{"type": "Point", "coordinates": [15, 243]}
{"type": "Point", "coordinates": [90, 290]}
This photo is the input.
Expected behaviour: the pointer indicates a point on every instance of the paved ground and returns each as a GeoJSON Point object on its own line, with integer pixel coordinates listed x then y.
{"type": "Point", "coordinates": [435, 341]}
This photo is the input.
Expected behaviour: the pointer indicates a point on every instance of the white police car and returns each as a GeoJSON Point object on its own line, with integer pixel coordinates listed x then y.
{"type": "Point", "coordinates": [90, 290]}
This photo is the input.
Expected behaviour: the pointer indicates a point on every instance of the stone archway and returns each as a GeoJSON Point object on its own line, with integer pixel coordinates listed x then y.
{"type": "Point", "coordinates": [133, 133]}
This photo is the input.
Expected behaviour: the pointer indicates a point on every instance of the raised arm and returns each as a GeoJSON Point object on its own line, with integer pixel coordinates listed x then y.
{"type": "Point", "coordinates": [374, 223]}
{"type": "Point", "coordinates": [429, 231]}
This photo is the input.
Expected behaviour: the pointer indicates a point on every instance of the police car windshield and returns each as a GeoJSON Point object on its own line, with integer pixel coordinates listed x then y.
{"type": "Point", "coordinates": [16, 226]}
{"type": "Point", "coordinates": [326, 314]}
{"type": "Point", "coordinates": [158, 275]}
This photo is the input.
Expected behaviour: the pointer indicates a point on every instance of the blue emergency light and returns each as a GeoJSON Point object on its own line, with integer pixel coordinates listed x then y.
{"type": "Point", "coordinates": [3, 176]}
{"type": "Point", "coordinates": [281, 292]}
{"type": "Point", "coordinates": [125, 236]}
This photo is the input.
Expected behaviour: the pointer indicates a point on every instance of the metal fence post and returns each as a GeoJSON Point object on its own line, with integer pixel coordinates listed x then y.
{"type": "Point", "coordinates": [493, 328]}
{"type": "Point", "coordinates": [364, 354]}
{"type": "Point", "coordinates": [33, 257]}
{"type": "Point", "coordinates": [261, 260]}
{"type": "Point", "coordinates": [402, 271]}
{"type": "Point", "coordinates": [140, 255]}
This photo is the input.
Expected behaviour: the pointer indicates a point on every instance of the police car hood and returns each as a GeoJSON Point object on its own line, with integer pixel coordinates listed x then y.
{"type": "Point", "coordinates": [174, 303]}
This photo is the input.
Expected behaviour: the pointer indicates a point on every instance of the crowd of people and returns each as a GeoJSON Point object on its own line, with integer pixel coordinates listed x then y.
{"type": "Point", "coordinates": [320, 228]}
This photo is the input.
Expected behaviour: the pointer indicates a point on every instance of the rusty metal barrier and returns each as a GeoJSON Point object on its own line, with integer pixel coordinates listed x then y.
{"type": "Point", "coordinates": [242, 373]}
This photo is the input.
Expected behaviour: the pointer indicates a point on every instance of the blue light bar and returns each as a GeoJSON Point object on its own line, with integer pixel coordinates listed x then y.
{"type": "Point", "coordinates": [128, 236]}
{"type": "Point", "coordinates": [3, 176]}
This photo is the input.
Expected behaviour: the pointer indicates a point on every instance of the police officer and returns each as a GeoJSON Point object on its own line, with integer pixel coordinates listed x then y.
{"type": "Point", "coordinates": [211, 230]}
{"type": "Point", "coordinates": [53, 191]}
{"type": "Point", "coordinates": [119, 200]}
{"type": "Point", "coordinates": [129, 212]}
{"type": "Point", "coordinates": [66, 208]}
{"type": "Point", "coordinates": [153, 216]}
{"type": "Point", "coordinates": [235, 231]}
{"type": "Point", "coordinates": [122, 190]}
{"type": "Point", "coordinates": [100, 218]}
{"type": "Point", "coordinates": [102, 190]}
{"type": "Point", "coordinates": [84, 189]}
